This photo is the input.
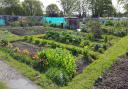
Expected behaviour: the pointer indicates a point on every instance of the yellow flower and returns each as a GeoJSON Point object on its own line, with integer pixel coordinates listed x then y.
{"type": "Point", "coordinates": [17, 49]}
{"type": "Point", "coordinates": [26, 52]}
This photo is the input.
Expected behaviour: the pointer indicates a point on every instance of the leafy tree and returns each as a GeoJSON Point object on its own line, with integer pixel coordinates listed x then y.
{"type": "Point", "coordinates": [69, 6]}
{"type": "Point", "coordinates": [83, 7]}
{"type": "Point", "coordinates": [52, 10]}
{"type": "Point", "coordinates": [32, 7]}
{"type": "Point", "coordinates": [124, 3]}
{"type": "Point", "coordinates": [101, 8]}
{"type": "Point", "coordinates": [10, 7]}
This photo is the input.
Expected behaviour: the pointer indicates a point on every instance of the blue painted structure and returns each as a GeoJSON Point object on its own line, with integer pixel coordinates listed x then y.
{"type": "Point", "coordinates": [54, 20]}
{"type": "Point", "coordinates": [64, 22]}
{"type": "Point", "coordinates": [2, 22]}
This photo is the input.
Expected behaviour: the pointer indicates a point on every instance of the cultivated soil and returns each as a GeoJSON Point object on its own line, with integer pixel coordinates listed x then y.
{"type": "Point", "coordinates": [81, 64]}
{"type": "Point", "coordinates": [24, 31]}
{"type": "Point", "coordinates": [26, 46]}
{"type": "Point", "coordinates": [117, 77]}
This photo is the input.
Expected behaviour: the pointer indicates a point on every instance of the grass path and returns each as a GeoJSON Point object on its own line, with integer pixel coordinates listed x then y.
{"type": "Point", "coordinates": [97, 68]}
{"type": "Point", "coordinates": [13, 79]}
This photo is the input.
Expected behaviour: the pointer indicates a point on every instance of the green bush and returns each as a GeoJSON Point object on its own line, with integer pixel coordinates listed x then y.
{"type": "Point", "coordinates": [3, 43]}
{"type": "Point", "coordinates": [37, 42]}
{"type": "Point", "coordinates": [120, 33]}
{"type": "Point", "coordinates": [58, 76]}
{"type": "Point", "coordinates": [84, 43]}
{"type": "Point", "coordinates": [101, 50]}
{"type": "Point", "coordinates": [58, 58]}
{"type": "Point", "coordinates": [94, 27]}
{"type": "Point", "coordinates": [15, 24]}
{"type": "Point", "coordinates": [87, 54]}
{"type": "Point", "coordinates": [109, 23]}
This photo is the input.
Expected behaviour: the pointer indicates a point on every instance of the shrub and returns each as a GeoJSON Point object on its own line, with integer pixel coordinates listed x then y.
{"type": "Point", "coordinates": [3, 42]}
{"type": "Point", "coordinates": [58, 58]}
{"type": "Point", "coordinates": [120, 33]}
{"type": "Point", "coordinates": [101, 50]}
{"type": "Point", "coordinates": [15, 24]}
{"type": "Point", "coordinates": [109, 23]}
{"type": "Point", "coordinates": [87, 54]}
{"type": "Point", "coordinates": [37, 42]}
{"type": "Point", "coordinates": [84, 43]}
{"type": "Point", "coordinates": [95, 28]}
{"type": "Point", "coordinates": [90, 37]}
{"type": "Point", "coordinates": [58, 76]}
{"type": "Point", "coordinates": [106, 39]}
{"type": "Point", "coordinates": [96, 47]}
{"type": "Point", "coordinates": [84, 28]}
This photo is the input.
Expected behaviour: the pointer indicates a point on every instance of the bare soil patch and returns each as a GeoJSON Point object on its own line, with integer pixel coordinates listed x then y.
{"type": "Point", "coordinates": [117, 77]}
{"type": "Point", "coordinates": [24, 31]}
{"type": "Point", "coordinates": [27, 46]}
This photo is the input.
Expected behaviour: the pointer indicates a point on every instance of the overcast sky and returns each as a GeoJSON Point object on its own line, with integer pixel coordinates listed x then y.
{"type": "Point", "coordinates": [47, 2]}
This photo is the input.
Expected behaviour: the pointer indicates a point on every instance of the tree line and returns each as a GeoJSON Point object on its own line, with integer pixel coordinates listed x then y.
{"type": "Point", "coordinates": [96, 8]}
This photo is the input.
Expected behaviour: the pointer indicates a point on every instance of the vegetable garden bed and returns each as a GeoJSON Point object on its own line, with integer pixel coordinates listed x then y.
{"type": "Point", "coordinates": [62, 56]}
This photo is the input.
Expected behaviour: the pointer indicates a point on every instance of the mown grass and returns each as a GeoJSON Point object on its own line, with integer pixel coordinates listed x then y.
{"type": "Point", "coordinates": [3, 86]}
{"type": "Point", "coordinates": [87, 79]}
{"type": "Point", "coordinates": [27, 71]}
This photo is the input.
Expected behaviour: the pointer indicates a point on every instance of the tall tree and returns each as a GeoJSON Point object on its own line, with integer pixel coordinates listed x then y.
{"type": "Point", "coordinates": [52, 10]}
{"type": "Point", "coordinates": [10, 7]}
{"type": "Point", "coordinates": [124, 3]}
{"type": "Point", "coordinates": [69, 6]}
{"type": "Point", "coordinates": [83, 7]}
{"type": "Point", "coordinates": [101, 7]}
{"type": "Point", "coordinates": [32, 7]}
